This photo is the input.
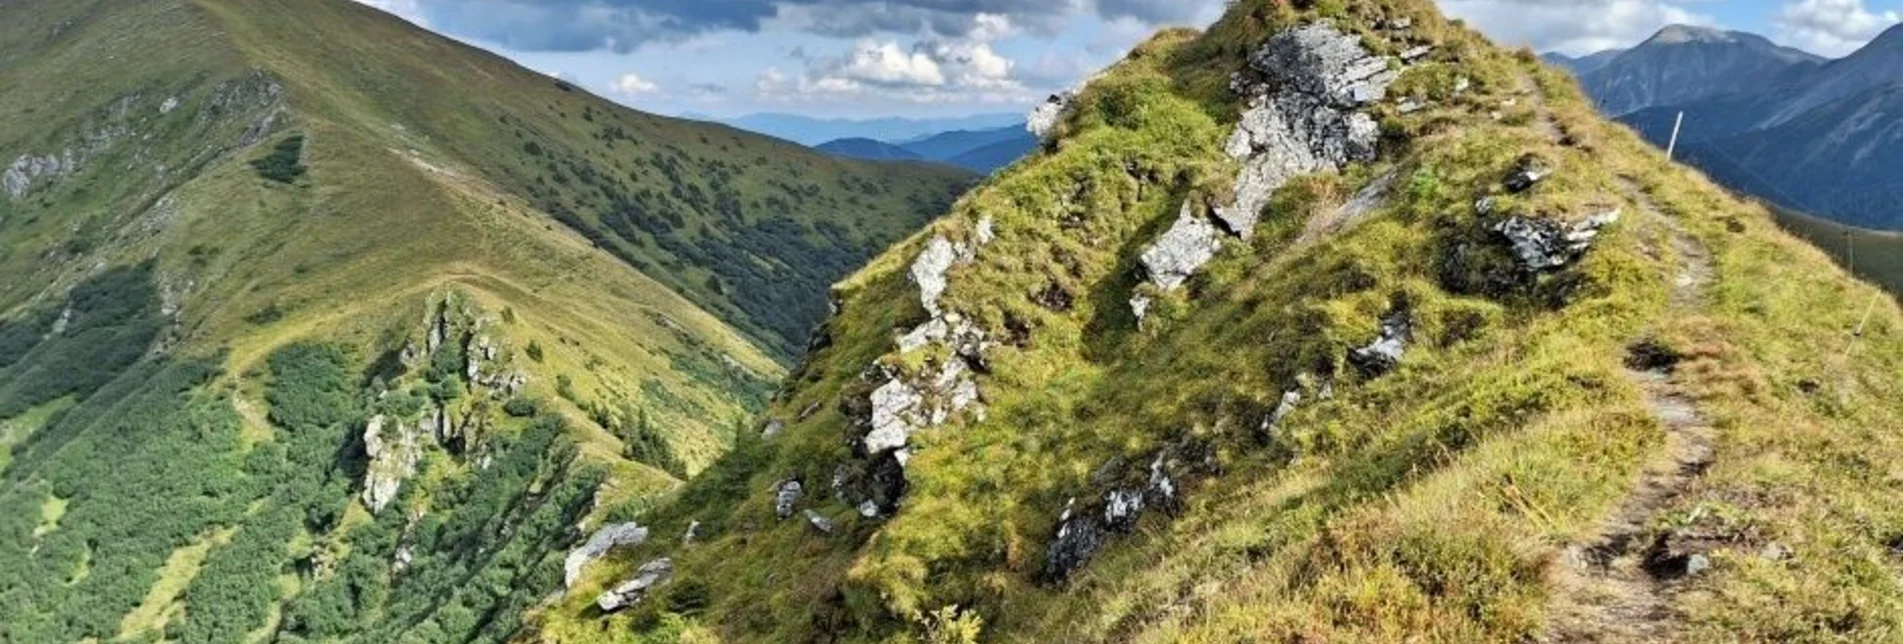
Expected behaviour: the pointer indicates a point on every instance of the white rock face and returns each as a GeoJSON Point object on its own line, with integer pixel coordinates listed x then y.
{"type": "Point", "coordinates": [1189, 244]}
{"type": "Point", "coordinates": [170, 104]}
{"type": "Point", "coordinates": [929, 270]}
{"type": "Point", "coordinates": [606, 539]}
{"type": "Point", "coordinates": [1044, 119]}
{"type": "Point", "coordinates": [391, 462]}
{"type": "Point", "coordinates": [631, 592]}
{"type": "Point", "coordinates": [894, 408]}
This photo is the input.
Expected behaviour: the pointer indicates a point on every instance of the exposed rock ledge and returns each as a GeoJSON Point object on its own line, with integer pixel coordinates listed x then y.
{"type": "Point", "coordinates": [1306, 90]}
{"type": "Point", "coordinates": [606, 539]}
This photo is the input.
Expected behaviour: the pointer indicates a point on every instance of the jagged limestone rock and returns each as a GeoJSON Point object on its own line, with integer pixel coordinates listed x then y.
{"type": "Point", "coordinates": [607, 538]}
{"type": "Point", "coordinates": [1189, 244]}
{"type": "Point", "coordinates": [928, 272]}
{"type": "Point", "coordinates": [1304, 115]}
{"type": "Point", "coordinates": [786, 496]}
{"type": "Point", "coordinates": [1161, 490]}
{"type": "Point", "coordinates": [1305, 89]}
{"type": "Point", "coordinates": [391, 462]}
{"type": "Point", "coordinates": [894, 408]}
{"type": "Point", "coordinates": [631, 592]}
{"type": "Point", "coordinates": [1545, 245]}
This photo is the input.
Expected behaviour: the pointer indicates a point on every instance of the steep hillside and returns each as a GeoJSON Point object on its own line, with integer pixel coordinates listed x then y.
{"type": "Point", "coordinates": [1681, 64]}
{"type": "Point", "coordinates": [314, 325]}
{"type": "Point", "coordinates": [1333, 323]}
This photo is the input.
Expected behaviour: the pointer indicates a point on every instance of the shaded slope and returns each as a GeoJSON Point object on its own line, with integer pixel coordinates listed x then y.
{"type": "Point", "coordinates": [1386, 427]}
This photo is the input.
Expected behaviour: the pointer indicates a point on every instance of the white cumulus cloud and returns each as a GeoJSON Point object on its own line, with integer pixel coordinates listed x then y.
{"type": "Point", "coordinates": [1830, 27]}
{"type": "Point", "coordinates": [1573, 26]}
{"type": "Point", "coordinates": [632, 84]}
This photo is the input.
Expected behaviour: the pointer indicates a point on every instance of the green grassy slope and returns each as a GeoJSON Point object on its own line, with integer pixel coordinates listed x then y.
{"type": "Point", "coordinates": [1438, 502]}
{"type": "Point", "coordinates": [229, 232]}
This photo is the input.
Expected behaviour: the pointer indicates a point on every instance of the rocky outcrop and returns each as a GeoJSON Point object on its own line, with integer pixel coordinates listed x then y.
{"type": "Point", "coordinates": [1189, 244]}
{"type": "Point", "coordinates": [1545, 245]}
{"type": "Point", "coordinates": [1305, 88]}
{"type": "Point", "coordinates": [1381, 356]}
{"type": "Point", "coordinates": [606, 539]}
{"type": "Point", "coordinates": [28, 169]}
{"type": "Point", "coordinates": [392, 461]}
{"type": "Point", "coordinates": [1044, 119]}
{"type": "Point", "coordinates": [1082, 531]}
{"type": "Point", "coordinates": [903, 401]}
{"type": "Point", "coordinates": [650, 576]}
{"type": "Point", "coordinates": [1306, 91]}
{"type": "Point", "coordinates": [786, 497]}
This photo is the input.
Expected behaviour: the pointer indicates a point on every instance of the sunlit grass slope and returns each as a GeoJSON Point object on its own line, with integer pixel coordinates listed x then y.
{"type": "Point", "coordinates": [228, 226]}
{"type": "Point", "coordinates": [1436, 503]}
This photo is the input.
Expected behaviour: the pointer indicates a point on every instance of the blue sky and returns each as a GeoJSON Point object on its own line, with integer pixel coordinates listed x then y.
{"type": "Point", "coordinates": [875, 58]}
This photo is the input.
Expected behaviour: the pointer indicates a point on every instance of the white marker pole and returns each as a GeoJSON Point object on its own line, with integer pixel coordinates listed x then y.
{"type": "Point", "coordinates": [1671, 149]}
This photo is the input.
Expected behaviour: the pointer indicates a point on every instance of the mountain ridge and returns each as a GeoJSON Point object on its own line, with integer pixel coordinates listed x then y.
{"type": "Point", "coordinates": [309, 318]}
{"type": "Point", "coordinates": [1334, 322]}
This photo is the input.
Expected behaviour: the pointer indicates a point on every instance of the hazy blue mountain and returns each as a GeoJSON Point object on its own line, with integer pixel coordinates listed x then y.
{"type": "Point", "coordinates": [811, 131]}
{"type": "Point", "coordinates": [997, 155]}
{"type": "Point", "coordinates": [1682, 64]}
{"type": "Point", "coordinates": [976, 150]}
{"type": "Point", "coordinates": [1824, 137]}
{"type": "Point", "coordinates": [867, 149]}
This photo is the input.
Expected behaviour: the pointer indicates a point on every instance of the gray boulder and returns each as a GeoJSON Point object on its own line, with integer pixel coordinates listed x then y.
{"type": "Point", "coordinates": [818, 522]}
{"type": "Point", "coordinates": [631, 592]}
{"type": "Point", "coordinates": [1384, 353]}
{"type": "Point", "coordinates": [1545, 245]}
{"type": "Point", "coordinates": [1189, 244]}
{"type": "Point", "coordinates": [785, 496]}
{"type": "Point", "coordinates": [607, 538]}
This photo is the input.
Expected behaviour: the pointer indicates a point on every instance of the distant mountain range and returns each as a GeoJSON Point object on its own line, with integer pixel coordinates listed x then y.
{"type": "Point", "coordinates": [981, 151]}
{"type": "Point", "coordinates": [1823, 136]}
{"type": "Point", "coordinates": [812, 132]}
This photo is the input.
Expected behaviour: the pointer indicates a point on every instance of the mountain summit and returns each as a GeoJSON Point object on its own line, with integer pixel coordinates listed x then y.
{"type": "Point", "coordinates": [1332, 323]}
{"type": "Point", "coordinates": [1684, 63]}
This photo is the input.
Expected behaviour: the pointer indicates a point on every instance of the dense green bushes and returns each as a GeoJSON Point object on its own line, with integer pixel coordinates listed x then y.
{"type": "Point", "coordinates": [104, 326]}
{"type": "Point", "coordinates": [281, 165]}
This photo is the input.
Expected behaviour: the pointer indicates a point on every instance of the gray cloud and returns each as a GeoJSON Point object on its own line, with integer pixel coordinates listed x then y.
{"type": "Point", "coordinates": [586, 25]}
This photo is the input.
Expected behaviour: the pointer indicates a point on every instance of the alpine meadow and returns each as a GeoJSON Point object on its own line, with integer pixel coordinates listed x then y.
{"type": "Point", "coordinates": [1333, 321]}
